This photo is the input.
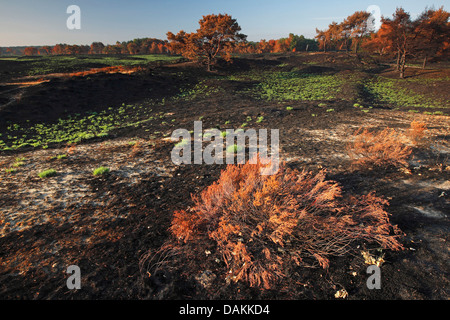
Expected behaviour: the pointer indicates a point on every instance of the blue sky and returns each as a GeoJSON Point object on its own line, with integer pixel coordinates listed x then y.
{"type": "Point", "coordinates": [43, 22]}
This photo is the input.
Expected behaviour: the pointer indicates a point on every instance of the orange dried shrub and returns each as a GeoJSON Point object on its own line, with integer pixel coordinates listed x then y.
{"type": "Point", "coordinates": [136, 149]}
{"type": "Point", "coordinates": [385, 148]}
{"type": "Point", "coordinates": [71, 148]}
{"type": "Point", "coordinates": [266, 225]}
{"type": "Point", "coordinates": [417, 132]}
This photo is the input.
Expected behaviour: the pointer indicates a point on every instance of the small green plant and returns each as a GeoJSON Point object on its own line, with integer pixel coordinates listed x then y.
{"type": "Point", "coordinates": [182, 143]}
{"type": "Point", "coordinates": [440, 113]}
{"type": "Point", "coordinates": [322, 105]}
{"type": "Point", "coordinates": [47, 173]}
{"type": "Point", "coordinates": [227, 122]}
{"type": "Point", "coordinates": [289, 108]}
{"type": "Point", "coordinates": [101, 171]}
{"type": "Point", "coordinates": [234, 148]}
{"type": "Point", "coordinates": [11, 170]}
{"type": "Point", "coordinates": [19, 162]}
{"type": "Point", "coordinates": [260, 119]}
{"type": "Point", "coordinates": [244, 124]}
{"type": "Point", "coordinates": [330, 110]}
{"type": "Point", "coordinates": [313, 115]}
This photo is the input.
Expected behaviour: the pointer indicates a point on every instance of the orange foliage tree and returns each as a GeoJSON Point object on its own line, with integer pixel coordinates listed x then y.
{"type": "Point", "coordinates": [400, 35]}
{"type": "Point", "coordinates": [96, 48]}
{"type": "Point", "coordinates": [217, 36]}
{"type": "Point", "coordinates": [432, 31]}
{"type": "Point", "coordinates": [30, 51]}
{"type": "Point", "coordinates": [357, 27]}
{"type": "Point", "coordinates": [265, 226]}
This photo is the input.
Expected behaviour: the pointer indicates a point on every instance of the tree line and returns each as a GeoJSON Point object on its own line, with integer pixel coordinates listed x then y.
{"type": "Point", "coordinates": [292, 43]}
{"type": "Point", "coordinates": [136, 46]}
{"type": "Point", "coordinates": [400, 36]}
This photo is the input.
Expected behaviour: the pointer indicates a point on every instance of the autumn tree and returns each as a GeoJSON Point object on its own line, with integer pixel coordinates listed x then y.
{"type": "Point", "coordinates": [399, 33]}
{"type": "Point", "coordinates": [112, 49]}
{"type": "Point", "coordinates": [331, 37]}
{"type": "Point", "coordinates": [132, 48]}
{"type": "Point", "coordinates": [58, 49]}
{"type": "Point", "coordinates": [378, 42]}
{"type": "Point", "coordinates": [356, 27]}
{"type": "Point", "coordinates": [30, 51]}
{"type": "Point", "coordinates": [96, 48]}
{"type": "Point", "coordinates": [73, 49]}
{"type": "Point", "coordinates": [217, 36]}
{"type": "Point", "coordinates": [432, 30]}
{"type": "Point", "coordinates": [323, 39]}
{"type": "Point", "coordinates": [45, 50]}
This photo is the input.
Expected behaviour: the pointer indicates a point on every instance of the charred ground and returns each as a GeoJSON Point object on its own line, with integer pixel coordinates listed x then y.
{"type": "Point", "coordinates": [106, 224]}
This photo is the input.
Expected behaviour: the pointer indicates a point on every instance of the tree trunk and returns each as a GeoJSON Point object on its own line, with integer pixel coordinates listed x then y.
{"type": "Point", "coordinates": [208, 63]}
{"type": "Point", "coordinates": [397, 66]}
{"type": "Point", "coordinates": [424, 62]}
{"type": "Point", "coordinates": [402, 66]}
{"type": "Point", "coordinates": [356, 46]}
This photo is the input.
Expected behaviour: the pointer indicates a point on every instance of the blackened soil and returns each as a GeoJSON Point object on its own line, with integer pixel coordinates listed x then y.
{"type": "Point", "coordinates": [122, 217]}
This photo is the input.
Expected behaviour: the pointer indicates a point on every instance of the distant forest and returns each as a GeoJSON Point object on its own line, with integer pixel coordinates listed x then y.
{"type": "Point", "coordinates": [156, 46]}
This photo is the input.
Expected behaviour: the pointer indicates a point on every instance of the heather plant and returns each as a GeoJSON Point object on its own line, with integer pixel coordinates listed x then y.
{"type": "Point", "coordinates": [416, 132]}
{"type": "Point", "coordinates": [266, 225]}
{"type": "Point", "coordinates": [383, 149]}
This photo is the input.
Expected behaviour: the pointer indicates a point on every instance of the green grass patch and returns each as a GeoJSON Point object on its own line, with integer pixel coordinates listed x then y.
{"type": "Point", "coordinates": [76, 128]}
{"type": "Point", "coordinates": [395, 92]}
{"type": "Point", "coordinates": [293, 85]}
{"type": "Point", "coordinates": [47, 173]}
{"type": "Point", "coordinates": [234, 148]}
{"type": "Point", "coordinates": [182, 143]}
{"type": "Point", "coordinates": [101, 171]}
